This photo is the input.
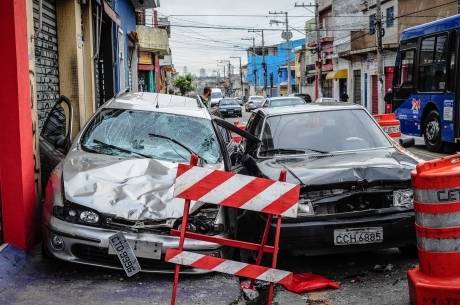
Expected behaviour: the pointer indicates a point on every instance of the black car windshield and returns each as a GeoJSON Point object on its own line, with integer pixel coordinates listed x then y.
{"type": "Point", "coordinates": [156, 135]}
{"type": "Point", "coordinates": [228, 102]}
{"type": "Point", "coordinates": [286, 102]}
{"type": "Point", "coordinates": [321, 132]}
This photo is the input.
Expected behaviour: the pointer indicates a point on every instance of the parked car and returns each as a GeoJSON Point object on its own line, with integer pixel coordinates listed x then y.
{"type": "Point", "coordinates": [229, 107]}
{"type": "Point", "coordinates": [283, 101]}
{"type": "Point", "coordinates": [254, 102]}
{"type": "Point", "coordinates": [355, 181]}
{"type": "Point", "coordinates": [216, 96]}
{"type": "Point", "coordinates": [304, 96]}
{"type": "Point", "coordinates": [118, 176]}
{"type": "Point", "coordinates": [326, 100]}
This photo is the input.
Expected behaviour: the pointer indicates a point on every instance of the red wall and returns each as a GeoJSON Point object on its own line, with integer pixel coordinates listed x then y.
{"type": "Point", "coordinates": [16, 150]}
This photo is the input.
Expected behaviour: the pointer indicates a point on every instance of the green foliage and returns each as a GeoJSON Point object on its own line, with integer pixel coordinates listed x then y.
{"type": "Point", "coordinates": [184, 83]}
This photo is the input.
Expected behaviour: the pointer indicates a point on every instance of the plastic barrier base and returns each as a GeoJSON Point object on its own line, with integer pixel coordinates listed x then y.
{"type": "Point", "coordinates": [427, 290]}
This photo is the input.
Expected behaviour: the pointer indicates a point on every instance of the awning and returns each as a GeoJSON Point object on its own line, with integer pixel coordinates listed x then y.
{"type": "Point", "coordinates": [339, 74]}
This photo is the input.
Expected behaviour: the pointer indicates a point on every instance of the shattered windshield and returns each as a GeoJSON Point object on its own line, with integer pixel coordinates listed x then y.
{"type": "Point", "coordinates": [321, 132]}
{"type": "Point", "coordinates": [147, 134]}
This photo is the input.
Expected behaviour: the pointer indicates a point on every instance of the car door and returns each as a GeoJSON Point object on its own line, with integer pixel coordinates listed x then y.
{"type": "Point", "coordinates": [55, 137]}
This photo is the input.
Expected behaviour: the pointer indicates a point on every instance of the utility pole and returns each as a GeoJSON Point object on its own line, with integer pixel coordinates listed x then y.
{"type": "Point", "coordinates": [287, 36]}
{"type": "Point", "coordinates": [264, 63]}
{"type": "Point", "coordinates": [319, 65]}
{"type": "Point", "coordinates": [380, 71]}
{"type": "Point", "coordinates": [241, 75]}
{"type": "Point", "coordinates": [254, 71]}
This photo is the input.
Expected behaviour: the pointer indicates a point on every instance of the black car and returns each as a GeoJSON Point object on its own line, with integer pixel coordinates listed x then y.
{"type": "Point", "coordinates": [355, 181]}
{"type": "Point", "coordinates": [229, 107]}
{"type": "Point", "coordinates": [304, 96]}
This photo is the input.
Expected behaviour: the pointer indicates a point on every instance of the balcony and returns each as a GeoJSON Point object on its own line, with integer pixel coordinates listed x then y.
{"type": "Point", "coordinates": [153, 39]}
{"type": "Point", "coordinates": [145, 4]}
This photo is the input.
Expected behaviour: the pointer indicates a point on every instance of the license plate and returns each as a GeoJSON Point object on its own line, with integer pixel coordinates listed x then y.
{"type": "Point", "coordinates": [358, 236]}
{"type": "Point", "coordinates": [125, 254]}
{"type": "Point", "coordinates": [230, 111]}
{"type": "Point", "coordinates": [143, 249]}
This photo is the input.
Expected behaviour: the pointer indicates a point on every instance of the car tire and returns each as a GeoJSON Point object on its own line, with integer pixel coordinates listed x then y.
{"type": "Point", "coordinates": [432, 131]}
{"type": "Point", "coordinates": [408, 251]}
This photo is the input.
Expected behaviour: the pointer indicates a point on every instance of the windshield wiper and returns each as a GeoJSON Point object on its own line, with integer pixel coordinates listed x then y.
{"type": "Point", "coordinates": [178, 143]}
{"type": "Point", "coordinates": [292, 151]}
{"type": "Point", "coordinates": [120, 148]}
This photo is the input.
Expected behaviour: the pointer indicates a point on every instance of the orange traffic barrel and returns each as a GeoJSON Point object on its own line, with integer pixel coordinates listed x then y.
{"type": "Point", "coordinates": [437, 221]}
{"type": "Point", "coordinates": [389, 123]}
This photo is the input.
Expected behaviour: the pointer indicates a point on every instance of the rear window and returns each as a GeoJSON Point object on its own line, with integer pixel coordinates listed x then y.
{"type": "Point", "coordinates": [228, 102]}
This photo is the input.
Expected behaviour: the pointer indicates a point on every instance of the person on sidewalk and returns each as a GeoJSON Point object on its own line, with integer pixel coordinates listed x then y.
{"type": "Point", "coordinates": [206, 97]}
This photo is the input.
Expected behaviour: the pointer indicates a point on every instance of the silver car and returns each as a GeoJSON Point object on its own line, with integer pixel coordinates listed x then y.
{"type": "Point", "coordinates": [118, 176]}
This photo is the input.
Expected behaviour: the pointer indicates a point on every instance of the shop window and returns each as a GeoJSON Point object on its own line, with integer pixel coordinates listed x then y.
{"type": "Point", "coordinates": [433, 64]}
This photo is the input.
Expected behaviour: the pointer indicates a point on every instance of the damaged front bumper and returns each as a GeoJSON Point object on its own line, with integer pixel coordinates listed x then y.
{"type": "Point", "coordinates": [89, 246]}
{"type": "Point", "coordinates": [315, 235]}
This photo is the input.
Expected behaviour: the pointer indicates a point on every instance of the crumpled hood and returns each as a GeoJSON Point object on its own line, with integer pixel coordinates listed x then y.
{"type": "Point", "coordinates": [370, 166]}
{"type": "Point", "coordinates": [134, 189]}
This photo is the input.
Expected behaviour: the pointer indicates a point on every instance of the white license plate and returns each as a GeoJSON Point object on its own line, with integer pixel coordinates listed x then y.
{"type": "Point", "coordinates": [143, 249]}
{"type": "Point", "coordinates": [358, 236]}
{"type": "Point", "coordinates": [125, 253]}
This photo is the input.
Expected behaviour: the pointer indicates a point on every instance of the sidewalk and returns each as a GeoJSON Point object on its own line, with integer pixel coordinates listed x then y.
{"type": "Point", "coordinates": [31, 280]}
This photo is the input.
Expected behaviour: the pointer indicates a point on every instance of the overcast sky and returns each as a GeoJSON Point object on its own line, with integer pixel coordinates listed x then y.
{"type": "Point", "coordinates": [201, 48]}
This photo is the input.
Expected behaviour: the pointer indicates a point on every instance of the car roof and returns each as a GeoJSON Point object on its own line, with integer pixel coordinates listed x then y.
{"type": "Point", "coordinates": [280, 98]}
{"type": "Point", "coordinates": [311, 107]}
{"type": "Point", "coordinates": [147, 101]}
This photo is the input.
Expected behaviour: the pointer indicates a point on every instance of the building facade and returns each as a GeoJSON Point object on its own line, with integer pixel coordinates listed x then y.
{"type": "Point", "coordinates": [273, 74]}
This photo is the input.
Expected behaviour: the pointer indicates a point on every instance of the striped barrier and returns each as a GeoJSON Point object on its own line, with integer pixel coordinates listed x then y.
{"type": "Point", "coordinates": [237, 191]}
{"type": "Point", "coordinates": [274, 198]}
{"type": "Point", "coordinates": [437, 220]}
{"type": "Point", "coordinates": [227, 266]}
{"type": "Point", "coordinates": [390, 124]}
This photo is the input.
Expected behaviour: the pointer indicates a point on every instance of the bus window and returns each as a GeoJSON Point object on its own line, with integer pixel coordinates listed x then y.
{"type": "Point", "coordinates": [406, 69]}
{"type": "Point", "coordinates": [433, 64]}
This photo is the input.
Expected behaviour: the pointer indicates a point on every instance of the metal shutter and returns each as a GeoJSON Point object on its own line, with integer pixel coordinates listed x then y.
{"type": "Point", "coordinates": [46, 58]}
{"type": "Point", "coordinates": [357, 86]}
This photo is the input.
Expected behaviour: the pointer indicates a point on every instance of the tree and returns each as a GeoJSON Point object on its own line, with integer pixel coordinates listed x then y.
{"type": "Point", "coordinates": [184, 83]}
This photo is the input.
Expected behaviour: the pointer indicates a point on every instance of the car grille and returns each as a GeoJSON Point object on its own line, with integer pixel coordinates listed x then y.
{"type": "Point", "coordinates": [100, 255]}
{"type": "Point", "coordinates": [355, 203]}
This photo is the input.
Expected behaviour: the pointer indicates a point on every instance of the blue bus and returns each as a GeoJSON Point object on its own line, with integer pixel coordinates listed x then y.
{"type": "Point", "coordinates": [425, 89]}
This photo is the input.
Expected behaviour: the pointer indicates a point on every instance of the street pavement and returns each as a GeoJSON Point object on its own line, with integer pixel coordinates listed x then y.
{"type": "Point", "coordinates": [368, 278]}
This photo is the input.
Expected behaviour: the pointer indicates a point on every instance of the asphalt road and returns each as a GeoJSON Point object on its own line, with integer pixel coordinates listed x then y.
{"type": "Point", "coordinates": [367, 278]}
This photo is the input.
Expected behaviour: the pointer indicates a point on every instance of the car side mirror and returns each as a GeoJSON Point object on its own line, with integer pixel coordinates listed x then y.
{"type": "Point", "coordinates": [407, 142]}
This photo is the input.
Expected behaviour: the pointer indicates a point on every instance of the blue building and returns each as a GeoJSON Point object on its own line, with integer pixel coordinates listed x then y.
{"type": "Point", "coordinates": [121, 43]}
{"type": "Point", "coordinates": [276, 62]}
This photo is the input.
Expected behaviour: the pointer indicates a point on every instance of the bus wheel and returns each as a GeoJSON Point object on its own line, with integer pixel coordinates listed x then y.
{"type": "Point", "coordinates": [432, 132]}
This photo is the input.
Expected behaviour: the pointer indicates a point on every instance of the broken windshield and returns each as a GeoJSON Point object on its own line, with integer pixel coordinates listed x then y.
{"type": "Point", "coordinates": [129, 133]}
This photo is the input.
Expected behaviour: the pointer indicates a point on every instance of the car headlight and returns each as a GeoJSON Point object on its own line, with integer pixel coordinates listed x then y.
{"type": "Point", "coordinates": [305, 208]}
{"type": "Point", "coordinates": [76, 213]}
{"type": "Point", "coordinates": [403, 198]}
{"type": "Point", "coordinates": [207, 220]}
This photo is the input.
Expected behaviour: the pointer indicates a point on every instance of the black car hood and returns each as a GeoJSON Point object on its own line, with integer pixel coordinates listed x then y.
{"type": "Point", "coordinates": [362, 168]}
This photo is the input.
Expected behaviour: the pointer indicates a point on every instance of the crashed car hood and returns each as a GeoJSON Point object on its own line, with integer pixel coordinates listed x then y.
{"type": "Point", "coordinates": [134, 189]}
{"type": "Point", "coordinates": [317, 170]}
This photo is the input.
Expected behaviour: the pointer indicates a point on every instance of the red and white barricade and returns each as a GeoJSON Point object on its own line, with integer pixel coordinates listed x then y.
{"type": "Point", "coordinates": [437, 221]}
{"type": "Point", "coordinates": [275, 198]}
{"type": "Point", "coordinates": [390, 124]}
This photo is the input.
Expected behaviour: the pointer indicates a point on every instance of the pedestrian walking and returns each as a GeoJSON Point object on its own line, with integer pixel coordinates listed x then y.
{"type": "Point", "coordinates": [206, 97]}
{"type": "Point", "coordinates": [345, 97]}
